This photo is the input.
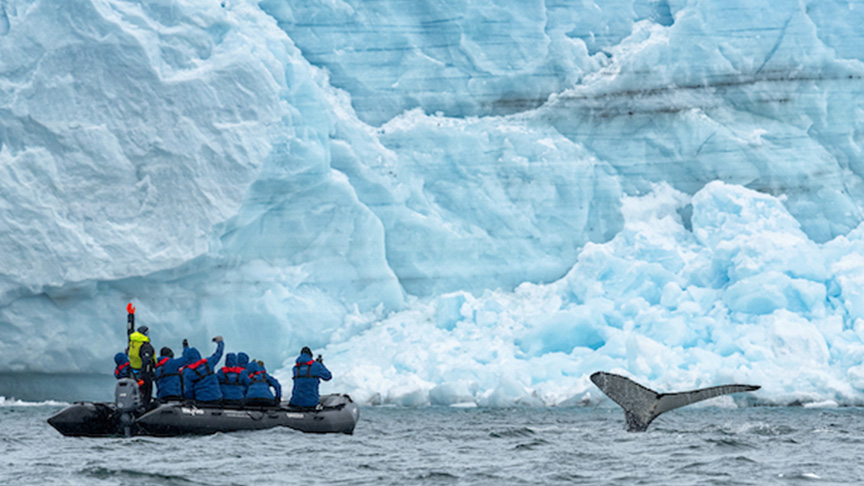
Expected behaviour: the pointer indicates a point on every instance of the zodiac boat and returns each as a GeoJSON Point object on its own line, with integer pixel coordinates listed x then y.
{"type": "Point", "coordinates": [125, 417]}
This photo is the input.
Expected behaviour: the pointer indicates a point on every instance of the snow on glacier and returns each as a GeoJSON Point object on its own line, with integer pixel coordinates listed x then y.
{"type": "Point", "coordinates": [458, 203]}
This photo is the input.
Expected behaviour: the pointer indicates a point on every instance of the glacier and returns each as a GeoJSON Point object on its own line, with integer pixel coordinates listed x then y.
{"type": "Point", "coordinates": [457, 203]}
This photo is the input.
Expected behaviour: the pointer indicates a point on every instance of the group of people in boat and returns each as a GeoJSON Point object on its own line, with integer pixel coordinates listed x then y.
{"type": "Point", "coordinates": [240, 382]}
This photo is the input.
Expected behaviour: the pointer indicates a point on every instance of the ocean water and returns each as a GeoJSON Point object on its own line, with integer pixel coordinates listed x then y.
{"type": "Point", "coordinates": [432, 446]}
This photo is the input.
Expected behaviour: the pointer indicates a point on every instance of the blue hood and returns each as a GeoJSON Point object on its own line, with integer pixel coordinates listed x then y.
{"type": "Point", "coordinates": [120, 358]}
{"type": "Point", "coordinates": [304, 358]}
{"type": "Point", "coordinates": [230, 360]}
{"type": "Point", "coordinates": [242, 359]}
{"type": "Point", "coordinates": [191, 355]}
{"type": "Point", "coordinates": [253, 367]}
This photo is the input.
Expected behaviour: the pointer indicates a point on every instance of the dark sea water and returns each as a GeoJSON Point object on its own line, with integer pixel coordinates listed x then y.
{"type": "Point", "coordinates": [432, 446]}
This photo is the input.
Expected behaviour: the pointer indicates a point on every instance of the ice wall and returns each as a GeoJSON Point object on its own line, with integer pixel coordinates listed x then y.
{"type": "Point", "coordinates": [456, 201]}
{"type": "Point", "coordinates": [160, 152]}
{"type": "Point", "coordinates": [763, 94]}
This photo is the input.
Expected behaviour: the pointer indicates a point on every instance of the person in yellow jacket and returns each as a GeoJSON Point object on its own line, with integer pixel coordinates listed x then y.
{"type": "Point", "coordinates": [139, 345]}
{"type": "Point", "coordinates": [142, 359]}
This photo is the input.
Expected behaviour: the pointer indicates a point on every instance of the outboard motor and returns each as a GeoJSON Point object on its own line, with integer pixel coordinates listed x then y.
{"type": "Point", "coordinates": [127, 399]}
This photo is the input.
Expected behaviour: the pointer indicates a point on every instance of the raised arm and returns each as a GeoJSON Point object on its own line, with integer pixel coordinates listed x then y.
{"type": "Point", "coordinates": [220, 347]}
{"type": "Point", "coordinates": [321, 371]}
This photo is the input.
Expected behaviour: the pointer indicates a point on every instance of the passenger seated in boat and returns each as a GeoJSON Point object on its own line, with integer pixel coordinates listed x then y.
{"type": "Point", "coordinates": [167, 374]}
{"type": "Point", "coordinates": [122, 368]}
{"type": "Point", "coordinates": [199, 379]}
{"type": "Point", "coordinates": [308, 374]}
{"type": "Point", "coordinates": [258, 383]}
{"type": "Point", "coordinates": [231, 383]}
{"type": "Point", "coordinates": [242, 360]}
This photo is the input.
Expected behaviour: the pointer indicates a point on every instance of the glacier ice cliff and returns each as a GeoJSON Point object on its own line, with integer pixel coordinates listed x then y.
{"type": "Point", "coordinates": [457, 202]}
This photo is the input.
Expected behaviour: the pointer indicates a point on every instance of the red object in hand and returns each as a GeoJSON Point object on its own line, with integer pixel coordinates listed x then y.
{"type": "Point", "coordinates": [130, 308]}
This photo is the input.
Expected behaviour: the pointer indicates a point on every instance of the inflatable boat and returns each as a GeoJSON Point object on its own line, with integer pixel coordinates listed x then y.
{"type": "Point", "coordinates": [126, 417]}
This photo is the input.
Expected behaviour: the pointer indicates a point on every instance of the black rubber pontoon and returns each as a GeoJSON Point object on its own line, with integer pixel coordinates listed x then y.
{"type": "Point", "coordinates": [125, 417]}
{"type": "Point", "coordinates": [337, 414]}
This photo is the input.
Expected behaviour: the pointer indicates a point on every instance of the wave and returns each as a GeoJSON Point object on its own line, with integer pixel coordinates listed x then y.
{"type": "Point", "coordinates": [14, 402]}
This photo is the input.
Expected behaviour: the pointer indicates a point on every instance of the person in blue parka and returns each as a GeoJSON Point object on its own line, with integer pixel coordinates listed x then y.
{"type": "Point", "coordinates": [242, 360]}
{"type": "Point", "coordinates": [122, 368]}
{"type": "Point", "coordinates": [199, 376]}
{"type": "Point", "coordinates": [258, 383]}
{"type": "Point", "coordinates": [308, 374]}
{"type": "Point", "coordinates": [166, 374]}
{"type": "Point", "coordinates": [231, 383]}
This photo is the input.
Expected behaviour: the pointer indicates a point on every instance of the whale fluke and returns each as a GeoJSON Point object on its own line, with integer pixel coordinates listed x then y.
{"type": "Point", "coordinates": [642, 405]}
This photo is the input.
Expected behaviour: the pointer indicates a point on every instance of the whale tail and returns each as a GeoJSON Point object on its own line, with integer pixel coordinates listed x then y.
{"type": "Point", "coordinates": [642, 405]}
